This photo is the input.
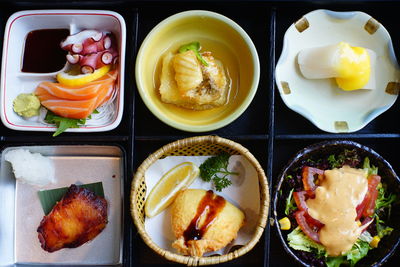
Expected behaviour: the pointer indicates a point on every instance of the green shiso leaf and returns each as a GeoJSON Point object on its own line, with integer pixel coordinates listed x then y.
{"type": "Point", "coordinates": [49, 198]}
{"type": "Point", "coordinates": [63, 123]}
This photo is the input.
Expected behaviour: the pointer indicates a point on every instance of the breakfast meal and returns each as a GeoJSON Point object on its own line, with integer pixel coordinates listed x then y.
{"type": "Point", "coordinates": [203, 221]}
{"type": "Point", "coordinates": [78, 218]}
{"type": "Point", "coordinates": [335, 208]}
{"type": "Point", "coordinates": [193, 80]}
{"type": "Point", "coordinates": [352, 67]}
{"type": "Point", "coordinates": [31, 168]}
{"type": "Point", "coordinates": [85, 86]}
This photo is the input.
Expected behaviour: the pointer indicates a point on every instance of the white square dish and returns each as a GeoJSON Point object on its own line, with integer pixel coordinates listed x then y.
{"type": "Point", "coordinates": [22, 211]}
{"type": "Point", "coordinates": [15, 82]}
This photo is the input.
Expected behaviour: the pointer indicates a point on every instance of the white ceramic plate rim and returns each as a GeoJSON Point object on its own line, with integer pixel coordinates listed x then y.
{"type": "Point", "coordinates": [120, 104]}
{"type": "Point", "coordinates": [305, 113]}
{"type": "Point", "coordinates": [231, 117]}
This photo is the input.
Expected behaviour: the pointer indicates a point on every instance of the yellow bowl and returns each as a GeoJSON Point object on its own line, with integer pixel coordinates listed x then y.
{"type": "Point", "coordinates": [216, 33]}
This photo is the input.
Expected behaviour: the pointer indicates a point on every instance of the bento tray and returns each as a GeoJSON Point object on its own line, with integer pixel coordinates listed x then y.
{"type": "Point", "coordinates": [22, 212]}
{"type": "Point", "coordinates": [269, 129]}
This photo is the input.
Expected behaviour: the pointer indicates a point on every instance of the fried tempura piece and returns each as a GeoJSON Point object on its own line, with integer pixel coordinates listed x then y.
{"type": "Point", "coordinates": [203, 221]}
{"type": "Point", "coordinates": [188, 83]}
{"type": "Point", "coordinates": [78, 218]}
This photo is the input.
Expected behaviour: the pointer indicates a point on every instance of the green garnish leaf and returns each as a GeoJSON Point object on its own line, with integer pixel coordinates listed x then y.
{"type": "Point", "coordinates": [290, 203]}
{"type": "Point", "coordinates": [382, 229]}
{"type": "Point", "coordinates": [299, 241]}
{"type": "Point", "coordinates": [370, 168]}
{"type": "Point", "coordinates": [335, 261]}
{"type": "Point", "coordinates": [333, 162]}
{"type": "Point", "coordinates": [382, 201]}
{"type": "Point", "coordinates": [49, 198]}
{"type": "Point", "coordinates": [195, 47]}
{"type": "Point", "coordinates": [215, 169]}
{"type": "Point", "coordinates": [63, 123]}
{"type": "Point", "coordinates": [358, 251]}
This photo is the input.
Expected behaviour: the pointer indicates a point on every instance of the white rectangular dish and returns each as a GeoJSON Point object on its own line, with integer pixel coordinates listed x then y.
{"type": "Point", "coordinates": [15, 82]}
{"type": "Point", "coordinates": [22, 211]}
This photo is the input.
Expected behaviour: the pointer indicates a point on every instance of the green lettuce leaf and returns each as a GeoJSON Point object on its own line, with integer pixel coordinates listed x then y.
{"type": "Point", "coordinates": [358, 251]}
{"type": "Point", "coordinates": [299, 241]}
{"type": "Point", "coordinates": [382, 229]}
{"type": "Point", "coordinates": [290, 203]}
{"type": "Point", "coordinates": [335, 261]}
{"type": "Point", "coordinates": [370, 168]}
{"type": "Point", "coordinates": [382, 201]}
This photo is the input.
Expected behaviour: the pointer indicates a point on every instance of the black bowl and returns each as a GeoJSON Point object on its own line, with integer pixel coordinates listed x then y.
{"type": "Point", "coordinates": [388, 244]}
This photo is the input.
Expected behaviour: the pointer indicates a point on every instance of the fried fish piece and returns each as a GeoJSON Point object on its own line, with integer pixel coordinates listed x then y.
{"type": "Point", "coordinates": [76, 219]}
{"type": "Point", "coordinates": [203, 221]}
{"type": "Point", "coordinates": [187, 83]}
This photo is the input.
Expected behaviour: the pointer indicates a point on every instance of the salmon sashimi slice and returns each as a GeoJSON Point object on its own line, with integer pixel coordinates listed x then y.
{"type": "Point", "coordinates": [86, 91]}
{"type": "Point", "coordinates": [73, 105]}
{"type": "Point", "coordinates": [74, 109]}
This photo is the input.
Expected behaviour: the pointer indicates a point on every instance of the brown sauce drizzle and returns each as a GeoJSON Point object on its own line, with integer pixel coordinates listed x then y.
{"type": "Point", "coordinates": [210, 207]}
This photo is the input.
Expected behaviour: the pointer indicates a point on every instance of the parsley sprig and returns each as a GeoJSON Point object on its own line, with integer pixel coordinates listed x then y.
{"type": "Point", "coordinates": [215, 169]}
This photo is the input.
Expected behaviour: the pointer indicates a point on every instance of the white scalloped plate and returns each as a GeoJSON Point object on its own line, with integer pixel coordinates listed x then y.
{"type": "Point", "coordinates": [321, 101]}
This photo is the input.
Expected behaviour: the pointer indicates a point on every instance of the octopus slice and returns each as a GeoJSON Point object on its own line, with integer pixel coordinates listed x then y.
{"type": "Point", "coordinates": [78, 218]}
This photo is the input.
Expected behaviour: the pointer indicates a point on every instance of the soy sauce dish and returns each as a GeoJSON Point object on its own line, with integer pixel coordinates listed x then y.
{"type": "Point", "coordinates": [307, 229]}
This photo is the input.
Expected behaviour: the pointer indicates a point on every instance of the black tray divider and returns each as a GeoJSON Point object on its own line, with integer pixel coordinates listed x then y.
{"type": "Point", "coordinates": [131, 17]}
{"type": "Point", "coordinates": [271, 129]}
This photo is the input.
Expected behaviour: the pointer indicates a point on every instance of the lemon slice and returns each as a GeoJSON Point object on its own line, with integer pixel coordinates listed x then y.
{"type": "Point", "coordinates": [164, 192]}
{"type": "Point", "coordinates": [69, 78]}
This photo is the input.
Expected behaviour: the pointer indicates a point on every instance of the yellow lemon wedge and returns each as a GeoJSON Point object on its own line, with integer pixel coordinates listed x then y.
{"type": "Point", "coordinates": [71, 78]}
{"type": "Point", "coordinates": [164, 192]}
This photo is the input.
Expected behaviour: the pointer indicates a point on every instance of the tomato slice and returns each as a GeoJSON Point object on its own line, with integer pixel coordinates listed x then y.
{"type": "Point", "coordinates": [308, 175]}
{"type": "Point", "coordinates": [367, 206]}
{"type": "Point", "coordinates": [300, 199]}
{"type": "Point", "coordinates": [314, 223]}
{"type": "Point", "coordinates": [302, 222]}
{"type": "Point", "coordinates": [373, 181]}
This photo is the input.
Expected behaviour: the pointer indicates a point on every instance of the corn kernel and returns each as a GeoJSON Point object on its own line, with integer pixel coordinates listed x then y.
{"type": "Point", "coordinates": [358, 223]}
{"type": "Point", "coordinates": [375, 241]}
{"type": "Point", "coordinates": [284, 223]}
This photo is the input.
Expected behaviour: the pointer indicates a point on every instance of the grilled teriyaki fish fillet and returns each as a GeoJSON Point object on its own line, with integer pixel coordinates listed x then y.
{"type": "Point", "coordinates": [78, 218]}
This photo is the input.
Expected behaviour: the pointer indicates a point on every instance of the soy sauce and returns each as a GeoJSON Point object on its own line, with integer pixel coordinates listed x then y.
{"type": "Point", "coordinates": [209, 205]}
{"type": "Point", "coordinates": [42, 53]}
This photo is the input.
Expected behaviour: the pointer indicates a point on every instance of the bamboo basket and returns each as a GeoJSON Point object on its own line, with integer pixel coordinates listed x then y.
{"type": "Point", "coordinates": [197, 146]}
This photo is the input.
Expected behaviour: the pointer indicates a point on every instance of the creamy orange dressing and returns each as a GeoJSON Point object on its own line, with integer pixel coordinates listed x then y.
{"type": "Point", "coordinates": [335, 202]}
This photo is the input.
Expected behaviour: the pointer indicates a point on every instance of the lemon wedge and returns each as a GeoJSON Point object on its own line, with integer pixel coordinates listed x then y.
{"type": "Point", "coordinates": [70, 78]}
{"type": "Point", "coordinates": [164, 192]}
